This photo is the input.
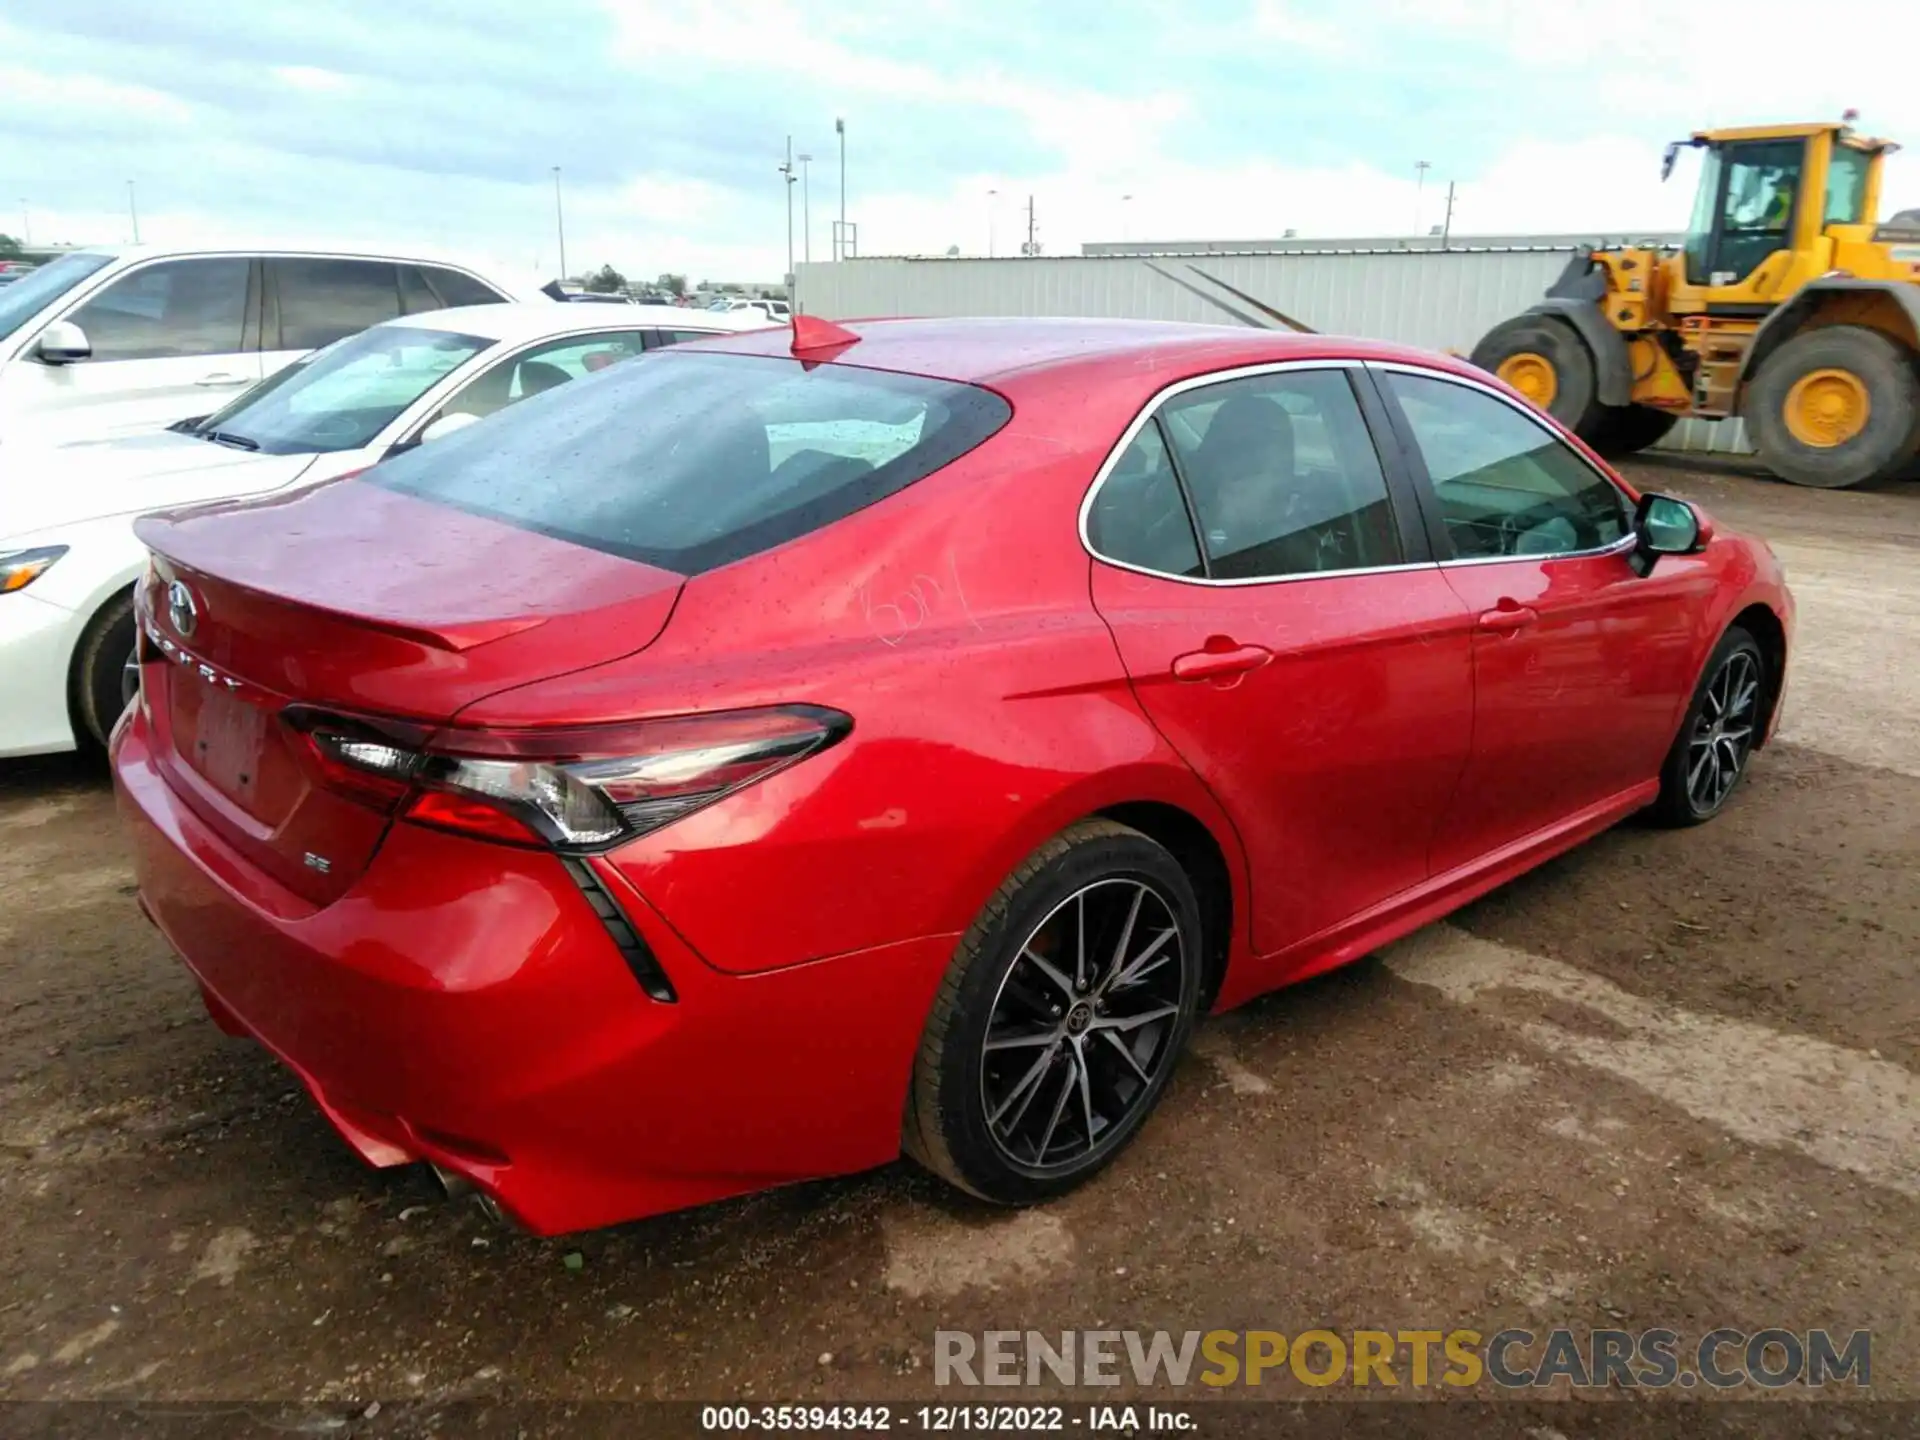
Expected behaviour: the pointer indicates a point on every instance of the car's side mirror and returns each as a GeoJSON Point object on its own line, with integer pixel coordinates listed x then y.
{"type": "Point", "coordinates": [1666, 526]}
{"type": "Point", "coordinates": [62, 343]}
{"type": "Point", "coordinates": [447, 425]}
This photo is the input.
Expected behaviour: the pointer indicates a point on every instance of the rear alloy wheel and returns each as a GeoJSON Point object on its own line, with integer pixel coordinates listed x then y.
{"type": "Point", "coordinates": [1835, 407]}
{"type": "Point", "coordinates": [101, 665]}
{"type": "Point", "coordinates": [1062, 1016]}
{"type": "Point", "coordinates": [1545, 360]}
{"type": "Point", "coordinates": [1723, 723]}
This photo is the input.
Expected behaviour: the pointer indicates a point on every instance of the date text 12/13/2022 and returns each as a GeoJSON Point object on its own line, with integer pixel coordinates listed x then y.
{"type": "Point", "coordinates": [947, 1419]}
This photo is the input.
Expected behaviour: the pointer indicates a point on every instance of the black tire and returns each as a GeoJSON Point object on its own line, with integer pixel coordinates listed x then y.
{"type": "Point", "coordinates": [1574, 402]}
{"type": "Point", "coordinates": [99, 672]}
{"type": "Point", "coordinates": [1682, 799]}
{"type": "Point", "coordinates": [948, 1127]}
{"type": "Point", "coordinates": [1883, 446]}
{"type": "Point", "coordinates": [1629, 429]}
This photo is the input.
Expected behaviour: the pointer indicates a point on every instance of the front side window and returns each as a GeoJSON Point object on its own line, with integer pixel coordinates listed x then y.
{"type": "Point", "coordinates": [1507, 486]}
{"type": "Point", "coordinates": [171, 309]}
{"type": "Point", "coordinates": [545, 367]}
{"type": "Point", "coordinates": [342, 397]}
{"type": "Point", "coordinates": [322, 301]}
{"type": "Point", "coordinates": [1283, 476]}
{"type": "Point", "coordinates": [688, 460]}
{"type": "Point", "coordinates": [1139, 517]}
{"type": "Point", "coordinates": [1762, 178]}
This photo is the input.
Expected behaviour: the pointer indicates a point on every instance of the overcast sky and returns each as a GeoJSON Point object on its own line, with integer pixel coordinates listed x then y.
{"type": "Point", "coordinates": [439, 121]}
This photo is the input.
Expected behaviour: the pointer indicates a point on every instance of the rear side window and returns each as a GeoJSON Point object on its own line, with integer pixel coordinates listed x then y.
{"type": "Point", "coordinates": [1139, 517]}
{"type": "Point", "coordinates": [454, 288]}
{"type": "Point", "coordinates": [689, 461]}
{"type": "Point", "coordinates": [1284, 476]}
{"type": "Point", "coordinates": [323, 300]}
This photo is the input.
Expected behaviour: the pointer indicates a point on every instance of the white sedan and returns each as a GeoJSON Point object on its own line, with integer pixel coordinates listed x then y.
{"type": "Point", "coordinates": [68, 556]}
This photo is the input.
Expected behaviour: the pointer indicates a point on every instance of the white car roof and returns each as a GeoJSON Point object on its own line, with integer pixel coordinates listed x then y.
{"type": "Point", "coordinates": [493, 274]}
{"type": "Point", "coordinates": [537, 320]}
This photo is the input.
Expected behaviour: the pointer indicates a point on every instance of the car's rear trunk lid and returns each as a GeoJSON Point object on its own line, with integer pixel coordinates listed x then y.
{"type": "Point", "coordinates": [353, 599]}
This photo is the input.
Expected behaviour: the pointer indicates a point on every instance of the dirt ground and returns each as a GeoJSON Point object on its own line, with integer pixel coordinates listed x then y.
{"type": "Point", "coordinates": [1670, 1079]}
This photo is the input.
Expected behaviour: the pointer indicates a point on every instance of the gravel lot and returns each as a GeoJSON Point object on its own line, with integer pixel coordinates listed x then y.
{"type": "Point", "coordinates": [1671, 1079]}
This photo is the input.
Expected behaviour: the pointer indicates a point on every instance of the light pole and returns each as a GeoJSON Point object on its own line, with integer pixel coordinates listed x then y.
{"type": "Point", "coordinates": [559, 223]}
{"type": "Point", "coordinates": [993, 206]}
{"type": "Point", "coordinates": [26, 223]}
{"type": "Point", "coordinates": [133, 213]}
{"type": "Point", "coordinates": [806, 208]}
{"type": "Point", "coordinates": [1420, 168]}
{"type": "Point", "coordinates": [1126, 217]}
{"type": "Point", "coordinates": [786, 172]}
{"type": "Point", "coordinates": [840, 244]}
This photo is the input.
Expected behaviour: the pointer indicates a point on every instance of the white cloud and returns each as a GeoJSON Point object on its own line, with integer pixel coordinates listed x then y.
{"type": "Point", "coordinates": [309, 77]}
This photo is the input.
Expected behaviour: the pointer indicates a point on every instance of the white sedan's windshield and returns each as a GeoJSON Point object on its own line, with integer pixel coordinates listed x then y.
{"type": "Point", "coordinates": [342, 397]}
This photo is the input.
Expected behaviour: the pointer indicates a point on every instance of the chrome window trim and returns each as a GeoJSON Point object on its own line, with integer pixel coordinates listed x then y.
{"type": "Point", "coordinates": [1527, 413]}
{"type": "Point", "coordinates": [1201, 382]}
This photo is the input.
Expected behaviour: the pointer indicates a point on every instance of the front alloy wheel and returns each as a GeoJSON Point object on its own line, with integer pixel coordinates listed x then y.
{"type": "Point", "coordinates": [1722, 725]}
{"type": "Point", "coordinates": [1722, 735]}
{"type": "Point", "coordinates": [1060, 1019]}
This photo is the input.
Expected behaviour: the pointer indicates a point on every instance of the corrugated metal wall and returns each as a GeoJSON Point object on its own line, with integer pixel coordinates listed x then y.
{"type": "Point", "coordinates": [1441, 301]}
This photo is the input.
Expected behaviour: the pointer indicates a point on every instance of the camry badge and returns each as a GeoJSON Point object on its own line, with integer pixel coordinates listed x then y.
{"type": "Point", "coordinates": [181, 610]}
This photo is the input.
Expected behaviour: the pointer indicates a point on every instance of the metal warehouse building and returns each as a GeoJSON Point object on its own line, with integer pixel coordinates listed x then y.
{"type": "Point", "coordinates": [1411, 291]}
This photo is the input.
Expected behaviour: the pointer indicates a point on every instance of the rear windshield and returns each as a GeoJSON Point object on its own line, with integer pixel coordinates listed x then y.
{"type": "Point", "coordinates": [689, 461]}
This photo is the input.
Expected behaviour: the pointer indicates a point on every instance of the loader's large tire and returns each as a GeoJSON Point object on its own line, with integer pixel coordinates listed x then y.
{"type": "Point", "coordinates": [1545, 360]}
{"type": "Point", "coordinates": [1629, 429]}
{"type": "Point", "coordinates": [1835, 407]}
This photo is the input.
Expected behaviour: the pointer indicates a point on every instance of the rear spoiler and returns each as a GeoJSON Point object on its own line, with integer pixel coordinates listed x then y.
{"type": "Point", "coordinates": [553, 291]}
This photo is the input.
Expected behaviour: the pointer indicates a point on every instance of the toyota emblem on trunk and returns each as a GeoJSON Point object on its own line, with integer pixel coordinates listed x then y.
{"type": "Point", "coordinates": [181, 610]}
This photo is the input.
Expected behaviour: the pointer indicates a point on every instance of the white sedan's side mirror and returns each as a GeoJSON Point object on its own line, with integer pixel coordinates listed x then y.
{"type": "Point", "coordinates": [62, 343]}
{"type": "Point", "coordinates": [447, 425]}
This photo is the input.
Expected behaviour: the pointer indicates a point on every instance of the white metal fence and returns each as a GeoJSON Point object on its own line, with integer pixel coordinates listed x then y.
{"type": "Point", "coordinates": [1440, 300]}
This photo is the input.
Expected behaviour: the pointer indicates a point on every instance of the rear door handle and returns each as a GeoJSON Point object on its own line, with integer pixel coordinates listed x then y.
{"type": "Point", "coordinates": [220, 377]}
{"type": "Point", "coordinates": [1508, 616]}
{"type": "Point", "coordinates": [1214, 664]}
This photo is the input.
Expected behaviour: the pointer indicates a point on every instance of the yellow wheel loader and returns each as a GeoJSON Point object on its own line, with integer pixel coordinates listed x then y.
{"type": "Point", "coordinates": [1787, 305]}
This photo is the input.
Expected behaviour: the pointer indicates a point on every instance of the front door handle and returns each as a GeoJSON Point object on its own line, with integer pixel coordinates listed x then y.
{"type": "Point", "coordinates": [220, 378]}
{"type": "Point", "coordinates": [1216, 663]}
{"type": "Point", "coordinates": [1508, 615]}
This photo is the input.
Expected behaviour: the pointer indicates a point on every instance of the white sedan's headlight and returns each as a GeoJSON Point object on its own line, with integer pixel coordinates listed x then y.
{"type": "Point", "coordinates": [20, 568]}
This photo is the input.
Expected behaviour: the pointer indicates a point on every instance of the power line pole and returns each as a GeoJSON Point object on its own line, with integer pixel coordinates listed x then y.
{"type": "Point", "coordinates": [559, 222]}
{"type": "Point", "coordinates": [840, 238]}
{"type": "Point", "coordinates": [1033, 245]}
{"type": "Point", "coordinates": [133, 213]}
{"type": "Point", "coordinates": [1446, 230]}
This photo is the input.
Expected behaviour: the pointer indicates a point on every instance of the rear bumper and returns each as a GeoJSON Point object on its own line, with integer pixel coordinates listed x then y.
{"type": "Point", "coordinates": [462, 1003]}
{"type": "Point", "coordinates": [36, 652]}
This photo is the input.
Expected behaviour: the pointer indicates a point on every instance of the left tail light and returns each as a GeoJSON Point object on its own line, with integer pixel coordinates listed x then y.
{"type": "Point", "coordinates": [577, 790]}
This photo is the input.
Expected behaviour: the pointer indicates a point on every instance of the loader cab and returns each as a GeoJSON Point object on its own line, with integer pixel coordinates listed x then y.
{"type": "Point", "coordinates": [1767, 198]}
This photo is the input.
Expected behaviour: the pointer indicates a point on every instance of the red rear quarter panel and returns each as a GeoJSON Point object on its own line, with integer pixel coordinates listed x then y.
{"type": "Point", "coordinates": [953, 622]}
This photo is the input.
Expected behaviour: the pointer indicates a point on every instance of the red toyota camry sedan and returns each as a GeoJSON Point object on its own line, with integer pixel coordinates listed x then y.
{"type": "Point", "coordinates": [773, 754]}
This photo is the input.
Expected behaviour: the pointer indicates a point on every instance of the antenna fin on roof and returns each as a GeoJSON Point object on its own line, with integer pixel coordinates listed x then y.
{"type": "Point", "coordinates": [811, 333]}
